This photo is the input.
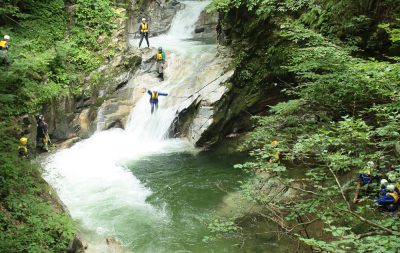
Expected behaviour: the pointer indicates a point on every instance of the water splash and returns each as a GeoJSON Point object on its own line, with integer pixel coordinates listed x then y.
{"type": "Point", "coordinates": [91, 178]}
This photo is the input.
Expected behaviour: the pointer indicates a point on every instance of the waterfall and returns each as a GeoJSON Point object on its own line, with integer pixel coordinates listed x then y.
{"type": "Point", "coordinates": [90, 177]}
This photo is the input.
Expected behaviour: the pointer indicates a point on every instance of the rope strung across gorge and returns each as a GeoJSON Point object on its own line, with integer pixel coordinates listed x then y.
{"type": "Point", "coordinates": [197, 91]}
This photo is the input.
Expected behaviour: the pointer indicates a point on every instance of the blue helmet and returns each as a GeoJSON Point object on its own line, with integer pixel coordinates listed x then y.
{"type": "Point", "coordinates": [160, 49]}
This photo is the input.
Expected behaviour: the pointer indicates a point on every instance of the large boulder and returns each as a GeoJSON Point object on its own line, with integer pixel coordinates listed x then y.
{"type": "Point", "coordinates": [206, 25]}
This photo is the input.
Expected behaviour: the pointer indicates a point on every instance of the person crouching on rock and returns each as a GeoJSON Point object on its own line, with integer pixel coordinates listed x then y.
{"type": "Point", "coordinates": [390, 201]}
{"type": "Point", "coordinates": [23, 147]}
{"type": "Point", "coordinates": [154, 99]}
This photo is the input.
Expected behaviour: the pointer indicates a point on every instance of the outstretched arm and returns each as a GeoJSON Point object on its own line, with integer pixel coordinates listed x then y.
{"type": "Point", "coordinates": [149, 92]}
{"type": "Point", "coordinates": [162, 94]}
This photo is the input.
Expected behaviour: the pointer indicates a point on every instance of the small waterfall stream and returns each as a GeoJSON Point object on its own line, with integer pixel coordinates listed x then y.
{"type": "Point", "coordinates": [152, 193]}
{"type": "Point", "coordinates": [91, 177]}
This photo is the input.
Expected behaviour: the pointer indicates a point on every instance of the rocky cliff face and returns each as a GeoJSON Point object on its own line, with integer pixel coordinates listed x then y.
{"type": "Point", "coordinates": [255, 82]}
{"type": "Point", "coordinates": [223, 99]}
{"type": "Point", "coordinates": [206, 27]}
{"type": "Point", "coordinates": [159, 15]}
{"type": "Point", "coordinates": [76, 116]}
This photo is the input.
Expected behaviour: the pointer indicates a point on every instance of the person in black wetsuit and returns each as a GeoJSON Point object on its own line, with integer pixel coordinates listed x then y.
{"type": "Point", "coordinates": [42, 135]}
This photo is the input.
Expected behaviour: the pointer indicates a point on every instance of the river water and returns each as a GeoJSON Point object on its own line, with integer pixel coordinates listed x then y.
{"type": "Point", "coordinates": [152, 193]}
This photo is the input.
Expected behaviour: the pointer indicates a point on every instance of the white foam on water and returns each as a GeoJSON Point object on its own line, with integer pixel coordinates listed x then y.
{"type": "Point", "coordinates": [90, 177]}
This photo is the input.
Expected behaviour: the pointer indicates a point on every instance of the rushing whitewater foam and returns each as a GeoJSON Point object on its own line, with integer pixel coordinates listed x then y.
{"type": "Point", "coordinates": [90, 177]}
{"type": "Point", "coordinates": [183, 23]}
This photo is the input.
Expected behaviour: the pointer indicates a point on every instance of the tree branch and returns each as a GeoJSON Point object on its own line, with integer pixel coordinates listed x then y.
{"type": "Point", "coordinates": [389, 231]}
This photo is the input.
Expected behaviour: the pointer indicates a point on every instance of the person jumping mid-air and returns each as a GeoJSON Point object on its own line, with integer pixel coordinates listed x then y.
{"type": "Point", "coordinates": [154, 99]}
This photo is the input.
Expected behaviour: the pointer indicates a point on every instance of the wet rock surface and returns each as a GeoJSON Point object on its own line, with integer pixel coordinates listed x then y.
{"type": "Point", "coordinates": [159, 15]}
{"type": "Point", "coordinates": [206, 26]}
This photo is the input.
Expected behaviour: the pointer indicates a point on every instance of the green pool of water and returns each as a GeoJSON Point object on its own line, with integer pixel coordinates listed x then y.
{"type": "Point", "coordinates": [188, 192]}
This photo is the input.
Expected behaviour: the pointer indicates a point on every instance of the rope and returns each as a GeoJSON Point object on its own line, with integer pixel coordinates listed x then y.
{"type": "Point", "coordinates": [197, 91]}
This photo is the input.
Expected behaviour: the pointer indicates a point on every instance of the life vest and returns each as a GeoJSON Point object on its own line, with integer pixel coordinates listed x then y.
{"type": "Point", "coordinates": [144, 28]}
{"type": "Point", "coordinates": [154, 95]}
{"type": "Point", "coordinates": [3, 44]}
{"type": "Point", "coordinates": [395, 196]}
{"type": "Point", "coordinates": [159, 57]}
{"type": "Point", "coordinates": [398, 187]}
{"type": "Point", "coordinates": [277, 155]}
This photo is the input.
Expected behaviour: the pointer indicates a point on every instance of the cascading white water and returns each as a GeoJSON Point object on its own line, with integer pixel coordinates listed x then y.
{"type": "Point", "coordinates": [182, 25]}
{"type": "Point", "coordinates": [90, 176]}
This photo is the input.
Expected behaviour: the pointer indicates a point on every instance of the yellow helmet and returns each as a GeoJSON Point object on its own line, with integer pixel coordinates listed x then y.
{"type": "Point", "coordinates": [23, 141]}
{"type": "Point", "coordinates": [275, 142]}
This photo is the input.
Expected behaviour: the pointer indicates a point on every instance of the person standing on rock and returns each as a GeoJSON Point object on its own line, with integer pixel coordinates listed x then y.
{"type": "Point", "coordinates": [154, 99]}
{"type": "Point", "coordinates": [42, 135]}
{"type": "Point", "coordinates": [160, 61]}
{"type": "Point", "coordinates": [144, 32]}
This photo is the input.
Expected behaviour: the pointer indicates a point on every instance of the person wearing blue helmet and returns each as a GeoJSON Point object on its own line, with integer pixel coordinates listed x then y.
{"type": "Point", "coordinates": [160, 61]}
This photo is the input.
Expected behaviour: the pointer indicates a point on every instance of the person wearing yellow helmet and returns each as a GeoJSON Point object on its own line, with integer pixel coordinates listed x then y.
{"type": "Point", "coordinates": [277, 154]}
{"type": "Point", "coordinates": [23, 147]}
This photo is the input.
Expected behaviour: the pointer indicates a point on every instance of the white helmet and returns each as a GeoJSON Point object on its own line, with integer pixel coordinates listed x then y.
{"type": "Point", "coordinates": [384, 182]}
{"type": "Point", "coordinates": [370, 163]}
{"type": "Point", "coordinates": [143, 19]}
{"type": "Point", "coordinates": [6, 37]}
{"type": "Point", "coordinates": [390, 187]}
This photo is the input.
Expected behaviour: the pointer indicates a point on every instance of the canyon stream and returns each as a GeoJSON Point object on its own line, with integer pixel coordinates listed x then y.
{"type": "Point", "coordinates": [150, 192]}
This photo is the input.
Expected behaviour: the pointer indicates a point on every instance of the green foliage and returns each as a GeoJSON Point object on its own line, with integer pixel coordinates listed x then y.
{"type": "Point", "coordinates": [261, 8]}
{"type": "Point", "coordinates": [53, 47]}
{"type": "Point", "coordinates": [28, 221]}
{"type": "Point", "coordinates": [342, 113]}
{"type": "Point", "coordinates": [393, 30]}
{"type": "Point", "coordinates": [45, 63]}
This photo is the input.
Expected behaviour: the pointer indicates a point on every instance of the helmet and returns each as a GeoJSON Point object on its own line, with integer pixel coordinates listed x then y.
{"type": "Point", "coordinates": [40, 117]}
{"type": "Point", "coordinates": [6, 37]}
{"type": "Point", "coordinates": [160, 49]}
{"type": "Point", "coordinates": [390, 187]}
{"type": "Point", "coordinates": [23, 141]}
{"type": "Point", "coordinates": [143, 19]}
{"type": "Point", "coordinates": [370, 163]}
{"type": "Point", "coordinates": [275, 142]}
{"type": "Point", "coordinates": [384, 182]}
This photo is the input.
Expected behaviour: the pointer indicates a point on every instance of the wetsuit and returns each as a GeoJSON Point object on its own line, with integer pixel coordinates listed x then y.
{"type": "Point", "coordinates": [154, 99]}
{"type": "Point", "coordinates": [144, 33]}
